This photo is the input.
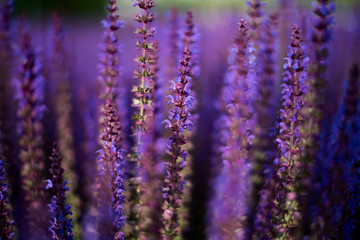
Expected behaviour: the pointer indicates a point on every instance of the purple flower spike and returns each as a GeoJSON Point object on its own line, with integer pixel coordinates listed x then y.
{"type": "Point", "coordinates": [173, 189]}
{"type": "Point", "coordinates": [228, 207]}
{"type": "Point", "coordinates": [112, 175]}
{"type": "Point", "coordinates": [60, 224]}
{"type": "Point", "coordinates": [287, 213]}
{"type": "Point", "coordinates": [143, 102]}
{"type": "Point", "coordinates": [109, 69]}
{"type": "Point", "coordinates": [30, 113]}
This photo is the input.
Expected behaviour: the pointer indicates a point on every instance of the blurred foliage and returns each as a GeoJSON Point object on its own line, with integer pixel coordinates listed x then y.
{"type": "Point", "coordinates": [97, 6]}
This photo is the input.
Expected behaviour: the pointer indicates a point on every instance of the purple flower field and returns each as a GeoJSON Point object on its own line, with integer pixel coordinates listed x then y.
{"type": "Point", "coordinates": [181, 123]}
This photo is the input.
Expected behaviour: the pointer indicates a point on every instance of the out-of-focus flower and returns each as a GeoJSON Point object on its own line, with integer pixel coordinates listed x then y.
{"type": "Point", "coordinates": [228, 207]}
{"type": "Point", "coordinates": [30, 113]}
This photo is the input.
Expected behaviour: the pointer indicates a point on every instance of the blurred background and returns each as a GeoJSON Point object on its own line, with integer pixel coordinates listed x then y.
{"type": "Point", "coordinates": [74, 7]}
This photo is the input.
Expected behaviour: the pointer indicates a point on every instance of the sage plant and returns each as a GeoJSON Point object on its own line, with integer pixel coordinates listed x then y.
{"type": "Point", "coordinates": [142, 102]}
{"type": "Point", "coordinates": [229, 205]}
{"type": "Point", "coordinates": [178, 121]}
{"type": "Point", "coordinates": [30, 114]}
{"type": "Point", "coordinates": [288, 214]}
{"type": "Point", "coordinates": [60, 224]}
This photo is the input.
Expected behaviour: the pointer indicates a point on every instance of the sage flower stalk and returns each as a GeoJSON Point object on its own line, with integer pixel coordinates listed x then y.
{"type": "Point", "coordinates": [109, 68]}
{"type": "Point", "coordinates": [229, 205]}
{"type": "Point", "coordinates": [112, 177]}
{"type": "Point", "coordinates": [8, 106]}
{"type": "Point", "coordinates": [111, 217]}
{"type": "Point", "coordinates": [152, 169]}
{"type": "Point", "coordinates": [313, 111]}
{"type": "Point", "coordinates": [343, 166]}
{"type": "Point", "coordinates": [287, 214]}
{"type": "Point", "coordinates": [178, 121]}
{"type": "Point", "coordinates": [143, 104]}
{"type": "Point", "coordinates": [60, 224]}
{"type": "Point", "coordinates": [64, 111]}
{"type": "Point", "coordinates": [264, 147]}
{"type": "Point", "coordinates": [30, 114]}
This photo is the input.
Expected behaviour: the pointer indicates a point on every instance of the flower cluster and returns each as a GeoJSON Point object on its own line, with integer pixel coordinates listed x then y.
{"type": "Point", "coordinates": [178, 121]}
{"type": "Point", "coordinates": [60, 224]}
{"type": "Point", "coordinates": [293, 89]}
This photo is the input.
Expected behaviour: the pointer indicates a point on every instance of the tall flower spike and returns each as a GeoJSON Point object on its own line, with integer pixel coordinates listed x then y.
{"type": "Point", "coordinates": [112, 176]}
{"type": "Point", "coordinates": [255, 12]}
{"type": "Point", "coordinates": [288, 163]}
{"type": "Point", "coordinates": [8, 141]}
{"type": "Point", "coordinates": [60, 224]}
{"type": "Point", "coordinates": [190, 40]}
{"type": "Point", "coordinates": [342, 167]}
{"type": "Point", "coordinates": [64, 112]}
{"type": "Point", "coordinates": [30, 113]}
{"type": "Point", "coordinates": [348, 156]}
{"type": "Point", "coordinates": [264, 147]}
{"type": "Point", "coordinates": [178, 121]}
{"type": "Point", "coordinates": [173, 43]}
{"type": "Point", "coordinates": [143, 104]}
{"type": "Point", "coordinates": [6, 228]}
{"type": "Point", "coordinates": [110, 73]}
{"type": "Point", "coordinates": [151, 171]}
{"type": "Point", "coordinates": [111, 162]}
{"type": "Point", "coordinates": [314, 106]}
{"type": "Point", "coordinates": [229, 205]}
